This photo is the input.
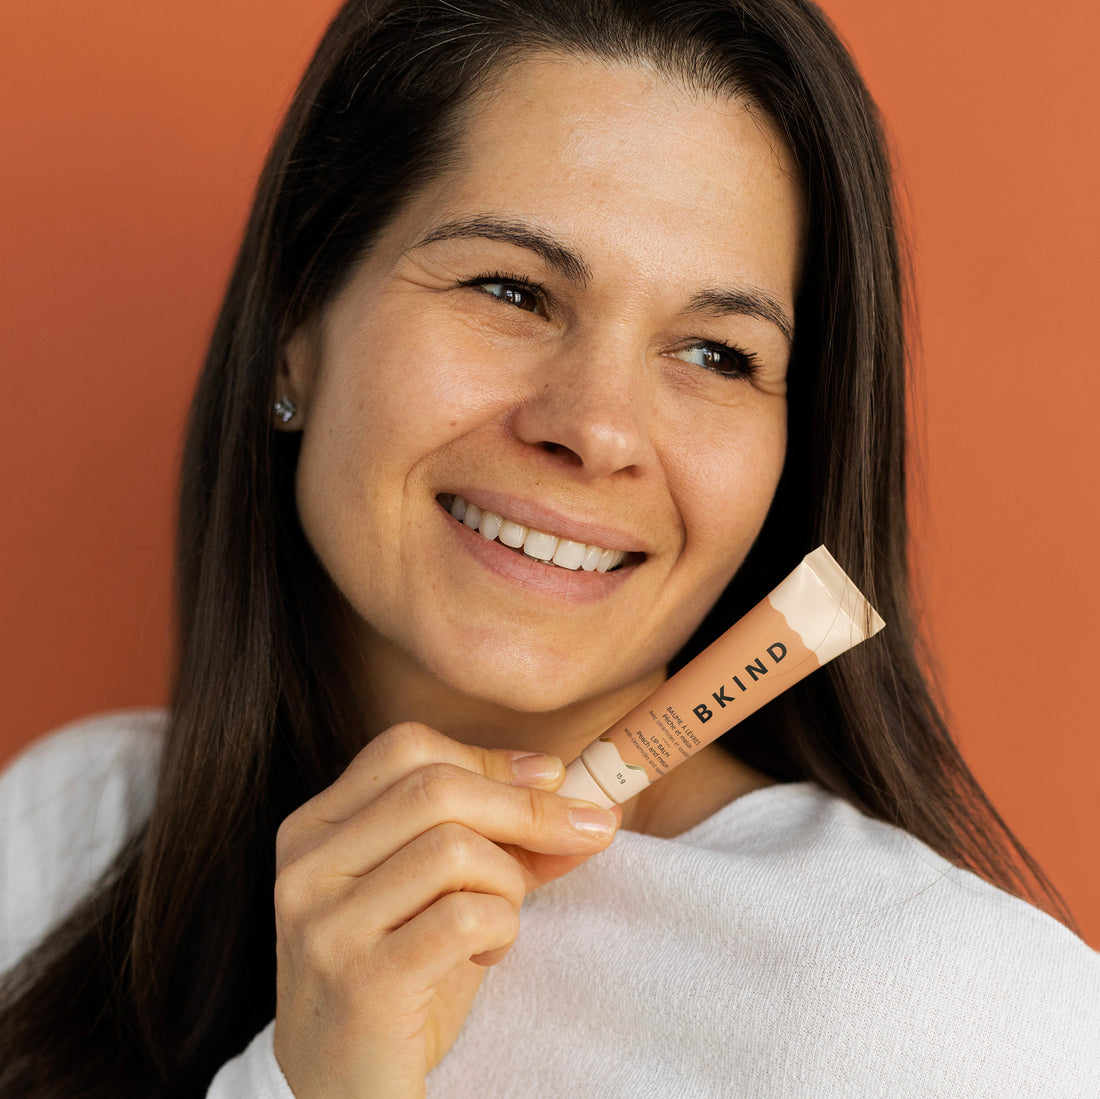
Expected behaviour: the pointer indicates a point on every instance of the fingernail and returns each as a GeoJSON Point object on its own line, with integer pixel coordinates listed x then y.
{"type": "Point", "coordinates": [591, 820]}
{"type": "Point", "coordinates": [535, 769]}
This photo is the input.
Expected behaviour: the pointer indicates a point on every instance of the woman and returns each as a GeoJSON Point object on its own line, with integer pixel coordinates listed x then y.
{"type": "Point", "coordinates": [625, 275]}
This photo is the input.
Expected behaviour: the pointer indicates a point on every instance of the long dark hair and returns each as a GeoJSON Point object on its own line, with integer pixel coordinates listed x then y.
{"type": "Point", "coordinates": [167, 970]}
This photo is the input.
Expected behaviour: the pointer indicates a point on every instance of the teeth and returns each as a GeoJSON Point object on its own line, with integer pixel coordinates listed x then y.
{"type": "Point", "coordinates": [569, 554]}
{"type": "Point", "coordinates": [490, 525]}
{"type": "Point", "coordinates": [540, 546]}
{"type": "Point", "coordinates": [512, 534]}
{"type": "Point", "coordinates": [535, 543]}
{"type": "Point", "coordinates": [592, 555]}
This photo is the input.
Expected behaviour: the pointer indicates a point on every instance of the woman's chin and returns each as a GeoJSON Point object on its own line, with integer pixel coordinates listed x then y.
{"type": "Point", "coordinates": [505, 703]}
{"type": "Point", "coordinates": [529, 688]}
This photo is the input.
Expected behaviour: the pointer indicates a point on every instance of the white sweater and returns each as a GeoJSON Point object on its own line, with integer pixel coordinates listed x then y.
{"type": "Point", "coordinates": [787, 946]}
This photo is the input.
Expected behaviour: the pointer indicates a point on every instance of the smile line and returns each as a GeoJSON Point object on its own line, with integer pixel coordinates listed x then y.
{"type": "Point", "coordinates": [547, 548]}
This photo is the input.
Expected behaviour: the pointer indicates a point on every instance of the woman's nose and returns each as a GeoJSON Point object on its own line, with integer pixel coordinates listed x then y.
{"type": "Point", "coordinates": [593, 409]}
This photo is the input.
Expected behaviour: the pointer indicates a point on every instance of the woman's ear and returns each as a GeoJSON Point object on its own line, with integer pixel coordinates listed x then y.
{"type": "Point", "coordinates": [294, 378]}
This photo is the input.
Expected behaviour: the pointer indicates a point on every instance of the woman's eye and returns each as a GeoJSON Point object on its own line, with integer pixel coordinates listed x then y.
{"type": "Point", "coordinates": [719, 359]}
{"type": "Point", "coordinates": [511, 293]}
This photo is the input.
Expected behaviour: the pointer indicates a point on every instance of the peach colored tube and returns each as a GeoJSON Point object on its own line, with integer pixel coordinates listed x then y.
{"type": "Point", "coordinates": [811, 617]}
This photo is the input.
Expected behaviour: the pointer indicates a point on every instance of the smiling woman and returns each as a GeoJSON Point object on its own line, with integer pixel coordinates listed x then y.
{"type": "Point", "coordinates": [591, 394]}
{"type": "Point", "coordinates": [558, 334]}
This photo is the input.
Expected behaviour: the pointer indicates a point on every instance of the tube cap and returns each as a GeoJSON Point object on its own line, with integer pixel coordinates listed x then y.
{"type": "Point", "coordinates": [579, 783]}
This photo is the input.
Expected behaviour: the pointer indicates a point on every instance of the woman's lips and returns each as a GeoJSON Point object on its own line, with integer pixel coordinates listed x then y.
{"type": "Point", "coordinates": [549, 548]}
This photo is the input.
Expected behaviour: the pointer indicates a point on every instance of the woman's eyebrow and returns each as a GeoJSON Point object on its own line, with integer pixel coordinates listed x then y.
{"type": "Point", "coordinates": [555, 254]}
{"type": "Point", "coordinates": [750, 301]}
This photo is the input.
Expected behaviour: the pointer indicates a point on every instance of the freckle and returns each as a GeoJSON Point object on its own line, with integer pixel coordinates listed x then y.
{"type": "Point", "coordinates": [454, 423]}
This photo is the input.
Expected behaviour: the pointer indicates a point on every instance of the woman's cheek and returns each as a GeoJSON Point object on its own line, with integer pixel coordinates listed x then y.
{"type": "Point", "coordinates": [735, 468]}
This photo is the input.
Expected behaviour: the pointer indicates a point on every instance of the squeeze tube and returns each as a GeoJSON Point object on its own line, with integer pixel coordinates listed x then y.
{"type": "Point", "coordinates": [815, 614]}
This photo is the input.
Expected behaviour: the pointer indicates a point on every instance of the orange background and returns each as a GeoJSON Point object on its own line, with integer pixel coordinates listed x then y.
{"type": "Point", "coordinates": [131, 138]}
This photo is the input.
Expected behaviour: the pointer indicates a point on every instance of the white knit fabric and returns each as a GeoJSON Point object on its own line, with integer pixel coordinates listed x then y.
{"type": "Point", "coordinates": [787, 946]}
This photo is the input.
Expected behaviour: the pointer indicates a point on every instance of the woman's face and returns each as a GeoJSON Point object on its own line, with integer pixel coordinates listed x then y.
{"type": "Point", "coordinates": [582, 329]}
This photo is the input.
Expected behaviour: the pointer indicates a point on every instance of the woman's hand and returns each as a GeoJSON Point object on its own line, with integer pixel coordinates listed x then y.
{"type": "Point", "coordinates": [394, 888]}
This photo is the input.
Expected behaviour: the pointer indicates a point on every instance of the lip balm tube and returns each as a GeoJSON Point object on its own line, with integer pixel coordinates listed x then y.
{"type": "Point", "coordinates": [815, 614]}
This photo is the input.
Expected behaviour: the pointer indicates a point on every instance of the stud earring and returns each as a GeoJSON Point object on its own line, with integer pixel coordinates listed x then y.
{"type": "Point", "coordinates": [285, 409]}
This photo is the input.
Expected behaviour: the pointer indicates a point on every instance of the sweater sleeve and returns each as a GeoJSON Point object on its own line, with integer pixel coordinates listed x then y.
{"type": "Point", "coordinates": [255, 1074]}
{"type": "Point", "coordinates": [67, 804]}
